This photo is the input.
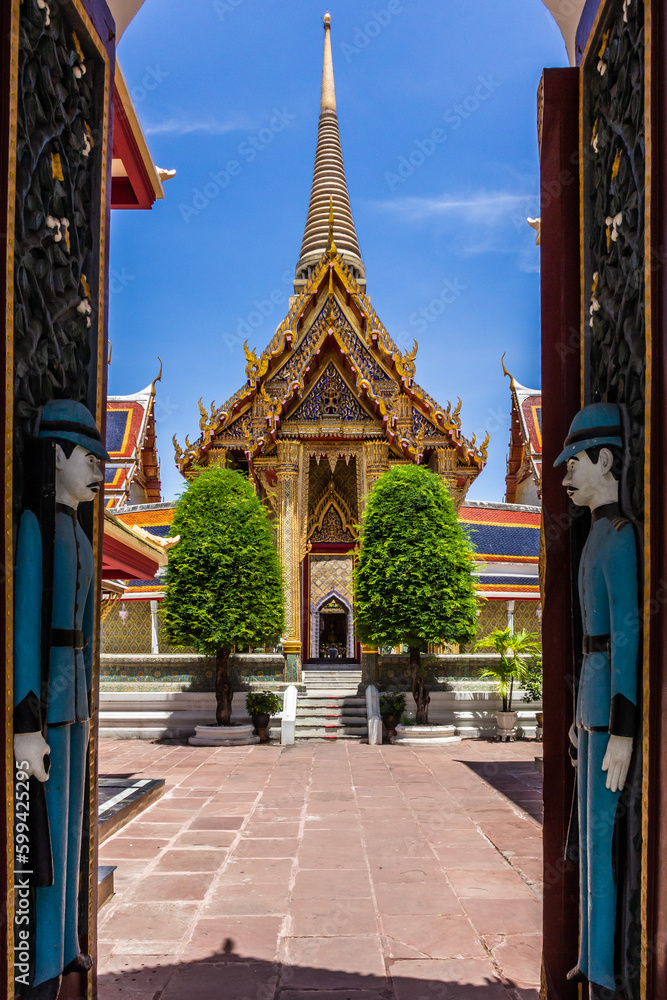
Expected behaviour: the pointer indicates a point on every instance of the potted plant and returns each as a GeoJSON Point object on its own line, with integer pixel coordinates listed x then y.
{"type": "Point", "coordinates": [260, 706]}
{"type": "Point", "coordinates": [512, 648]}
{"type": "Point", "coordinates": [532, 682]}
{"type": "Point", "coordinates": [392, 707]}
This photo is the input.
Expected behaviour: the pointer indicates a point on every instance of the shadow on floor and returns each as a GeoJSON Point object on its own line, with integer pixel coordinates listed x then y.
{"type": "Point", "coordinates": [228, 976]}
{"type": "Point", "coordinates": [517, 780]}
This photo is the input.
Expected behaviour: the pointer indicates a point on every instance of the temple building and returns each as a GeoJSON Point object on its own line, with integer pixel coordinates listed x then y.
{"type": "Point", "coordinates": [524, 462]}
{"type": "Point", "coordinates": [326, 408]}
{"type": "Point", "coordinates": [133, 474]}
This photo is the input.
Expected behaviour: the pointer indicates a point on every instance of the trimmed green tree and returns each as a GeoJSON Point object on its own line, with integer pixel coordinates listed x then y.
{"type": "Point", "coordinates": [413, 579]}
{"type": "Point", "coordinates": [224, 579]}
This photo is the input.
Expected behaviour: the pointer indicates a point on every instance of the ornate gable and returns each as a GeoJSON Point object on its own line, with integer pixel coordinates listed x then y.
{"type": "Point", "coordinates": [330, 399]}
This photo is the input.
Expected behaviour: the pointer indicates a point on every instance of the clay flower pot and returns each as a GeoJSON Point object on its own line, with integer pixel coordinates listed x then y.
{"type": "Point", "coordinates": [261, 724]}
{"type": "Point", "coordinates": [391, 721]}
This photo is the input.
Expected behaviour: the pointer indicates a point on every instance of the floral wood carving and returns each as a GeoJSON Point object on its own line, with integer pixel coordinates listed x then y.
{"type": "Point", "coordinates": [614, 224]}
{"type": "Point", "coordinates": [59, 141]}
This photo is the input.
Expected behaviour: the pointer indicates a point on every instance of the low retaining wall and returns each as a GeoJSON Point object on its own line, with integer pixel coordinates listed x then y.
{"type": "Point", "coordinates": [186, 671]}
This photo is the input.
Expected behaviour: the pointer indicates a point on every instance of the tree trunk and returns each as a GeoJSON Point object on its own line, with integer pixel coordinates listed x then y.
{"type": "Point", "coordinates": [224, 693]}
{"type": "Point", "coordinates": [419, 692]}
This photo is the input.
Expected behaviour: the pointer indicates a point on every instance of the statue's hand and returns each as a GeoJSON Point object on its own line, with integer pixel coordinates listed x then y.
{"type": "Point", "coordinates": [617, 761]}
{"type": "Point", "coordinates": [32, 748]}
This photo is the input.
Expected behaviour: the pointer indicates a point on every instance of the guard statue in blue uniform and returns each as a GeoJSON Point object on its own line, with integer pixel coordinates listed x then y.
{"type": "Point", "coordinates": [54, 614]}
{"type": "Point", "coordinates": [605, 722]}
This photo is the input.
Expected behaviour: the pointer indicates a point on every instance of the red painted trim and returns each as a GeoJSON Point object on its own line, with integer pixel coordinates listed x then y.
{"type": "Point", "coordinates": [135, 190]}
{"type": "Point", "coordinates": [560, 398]}
{"type": "Point", "coordinates": [124, 563]}
{"type": "Point", "coordinates": [333, 547]}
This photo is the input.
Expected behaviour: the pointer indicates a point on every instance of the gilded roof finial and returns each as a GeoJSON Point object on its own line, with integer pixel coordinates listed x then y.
{"type": "Point", "coordinates": [331, 246]}
{"type": "Point", "coordinates": [328, 102]}
{"type": "Point", "coordinates": [505, 372]}
{"type": "Point", "coordinates": [158, 377]}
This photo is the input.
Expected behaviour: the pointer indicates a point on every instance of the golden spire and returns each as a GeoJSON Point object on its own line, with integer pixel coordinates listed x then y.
{"type": "Point", "coordinates": [329, 185]}
{"type": "Point", "coordinates": [331, 246]}
{"type": "Point", "coordinates": [328, 101]}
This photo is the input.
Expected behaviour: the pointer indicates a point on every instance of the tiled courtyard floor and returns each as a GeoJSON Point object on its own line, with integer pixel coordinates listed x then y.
{"type": "Point", "coordinates": [326, 871]}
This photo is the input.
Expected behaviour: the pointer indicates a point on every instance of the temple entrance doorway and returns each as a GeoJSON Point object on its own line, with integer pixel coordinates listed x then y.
{"type": "Point", "coordinates": [333, 630]}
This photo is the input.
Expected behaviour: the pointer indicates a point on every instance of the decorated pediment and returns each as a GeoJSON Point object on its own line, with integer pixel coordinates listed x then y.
{"type": "Point", "coordinates": [330, 399]}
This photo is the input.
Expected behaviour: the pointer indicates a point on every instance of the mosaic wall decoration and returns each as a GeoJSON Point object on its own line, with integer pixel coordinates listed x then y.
{"type": "Point", "coordinates": [127, 628]}
{"type": "Point", "coordinates": [330, 577]}
{"type": "Point", "coordinates": [329, 573]}
{"type": "Point", "coordinates": [183, 673]}
{"type": "Point", "coordinates": [344, 480]}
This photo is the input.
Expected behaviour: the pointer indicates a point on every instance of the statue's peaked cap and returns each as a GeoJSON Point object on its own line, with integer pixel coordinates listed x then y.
{"type": "Point", "coordinates": [594, 425]}
{"type": "Point", "coordinates": [67, 420]}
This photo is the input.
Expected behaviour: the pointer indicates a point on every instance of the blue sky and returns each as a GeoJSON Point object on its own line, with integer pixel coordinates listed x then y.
{"type": "Point", "coordinates": [441, 224]}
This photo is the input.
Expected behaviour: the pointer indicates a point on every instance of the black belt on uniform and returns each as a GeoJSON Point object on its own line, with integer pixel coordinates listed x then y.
{"type": "Point", "coordinates": [69, 638]}
{"type": "Point", "coordinates": [596, 644]}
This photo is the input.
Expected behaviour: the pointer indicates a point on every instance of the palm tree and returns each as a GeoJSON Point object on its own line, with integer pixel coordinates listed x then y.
{"type": "Point", "coordinates": [511, 647]}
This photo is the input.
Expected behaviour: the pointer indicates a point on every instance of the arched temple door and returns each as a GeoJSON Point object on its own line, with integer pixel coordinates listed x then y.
{"type": "Point", "coordinates": [333, 629]}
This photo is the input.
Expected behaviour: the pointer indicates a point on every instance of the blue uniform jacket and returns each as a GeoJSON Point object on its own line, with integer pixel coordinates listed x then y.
{"type": "Point", "coordinates": [607, 691]}
{"type": "Point", "coordinates": [70, 670]}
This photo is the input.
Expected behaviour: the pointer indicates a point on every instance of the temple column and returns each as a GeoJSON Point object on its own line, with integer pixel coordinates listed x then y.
{"type": "Point", "coordinates": [377, 461]}
{"type": "Point", "coordinates": [447, 468]}
{"type": "Point", "coordinates": [287, 471]}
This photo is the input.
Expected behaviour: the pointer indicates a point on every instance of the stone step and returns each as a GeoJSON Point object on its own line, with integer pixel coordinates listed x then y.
{"type": "Point", "coordinates": [319, 732]}
{"type": "Point", "coordinates": [330, 721]}
{"type": "Point", "coordinates": [336, 701]}
{"type": "Point", "coordinates": [305, 711]}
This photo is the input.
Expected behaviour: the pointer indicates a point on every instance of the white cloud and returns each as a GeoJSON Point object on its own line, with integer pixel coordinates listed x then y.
{"type": "Point", "coordinates": [489, 206]}
{"type": "Point", "coordinates": [180, 125]}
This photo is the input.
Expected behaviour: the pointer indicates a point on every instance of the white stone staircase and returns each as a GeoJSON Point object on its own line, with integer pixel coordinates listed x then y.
{"type": "Point", "coordinates": [332, 708]}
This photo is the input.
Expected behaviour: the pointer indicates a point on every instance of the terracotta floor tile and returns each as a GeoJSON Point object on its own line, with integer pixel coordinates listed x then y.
{"type": "Point", "coordinates": [470, 884]}
{"type": "Point", "coordinates": [435, 899]}
{"type": "Point", "coordinates": [206, 838]}
{"type": "Point", "coordinates": [146, 921]}
{"type": "Point", "coordinates": [332, 883]}
{"type": "Point", "coordinates": [206, 981]}
{"type": "Point", "coordinates": [313, 857]}
{"type": "Point", "coordinates": [217, 823]}
{"type": "Point", "coordinates": [329, 962]}
{"type": "Point", "coordinates": [520, 958]}
{"type": "Point", "coordinates": [494, 916]}
{"type": "Point", "coordinates": [170, 886]}
{"type": "Point", "coordinates": [240, 871]}
{"type": "Point", "coordinates": [254, 899]}
{"type": "Point", "coordinates": [398, 871]}
{"type": "Point", "coordinates": [346, 994]}
{"type": "Point", "coordinates": [331, 917]}
{"type": "Point", "coordinates": [182, 860]}
{"type": "Point", "coordinates": [265, 828]}
{"type": "Point", "coordinates": [429, 936]}
{"type": "Point", "coordinates": [446, 979]}
{"type": "Point", "coordinates": [131, 847]}
{"type": "Point", "coordinates": [228, 939]}
{"type": "Point", "coordinates": [266, 847]}
{"type": "Point", "coordinates": [476, 857]}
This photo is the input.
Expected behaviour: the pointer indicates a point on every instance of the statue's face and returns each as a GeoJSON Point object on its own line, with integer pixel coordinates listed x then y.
{"type": "Point", "coordinates": [586, 481]}
{"type": "Point", "coordinates": [79, 477]}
